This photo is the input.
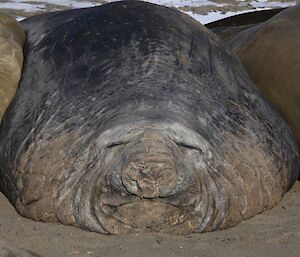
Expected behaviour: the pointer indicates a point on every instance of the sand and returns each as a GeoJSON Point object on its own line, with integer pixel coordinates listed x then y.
{"type": "Point", "coordinates": [274, 233]}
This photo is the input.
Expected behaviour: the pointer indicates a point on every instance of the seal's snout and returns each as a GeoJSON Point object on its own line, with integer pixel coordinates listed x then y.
{"type": "Point", "coordinates": [150, 165]}
{"type": "Point", "coordinates": [149, 180]}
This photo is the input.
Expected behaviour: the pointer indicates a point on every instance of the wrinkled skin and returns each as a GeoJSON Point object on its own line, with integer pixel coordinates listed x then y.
{"type": "Point", "coordinates": [12, 38]}
{"type": "Point", "coordinates": [269, 52]}
{"type": "Point", "coordinates": [133, 117]}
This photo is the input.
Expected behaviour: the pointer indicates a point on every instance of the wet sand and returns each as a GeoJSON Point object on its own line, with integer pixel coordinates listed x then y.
{"type": "Point", "coordinates": [274, 233]}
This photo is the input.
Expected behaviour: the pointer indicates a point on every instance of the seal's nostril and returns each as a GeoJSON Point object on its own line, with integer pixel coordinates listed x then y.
{"type": "Point", "coordinates": [150, 180]}
{"type": "Point", "coordinates": [136, 180]}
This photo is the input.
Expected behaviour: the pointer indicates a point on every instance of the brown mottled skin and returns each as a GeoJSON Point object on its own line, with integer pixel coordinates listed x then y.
{"type": "Point", "coordinates": [12, 38]}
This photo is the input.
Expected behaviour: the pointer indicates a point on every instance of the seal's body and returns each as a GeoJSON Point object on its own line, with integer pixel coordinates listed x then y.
{"type": "Point", "coordinates": [132, 117]}
{"type": "Point", "coordinates": [12, 38]}
{"type": "Point", "coordinates": [269, 52]}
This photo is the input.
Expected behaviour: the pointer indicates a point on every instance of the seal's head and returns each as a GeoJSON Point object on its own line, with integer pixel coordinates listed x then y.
{"type": "Point", "coordinates": [145, 182]}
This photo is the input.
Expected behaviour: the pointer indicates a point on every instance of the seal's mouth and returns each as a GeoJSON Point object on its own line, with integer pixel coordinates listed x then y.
{"type": "Point", "coordinates": [119, 214]}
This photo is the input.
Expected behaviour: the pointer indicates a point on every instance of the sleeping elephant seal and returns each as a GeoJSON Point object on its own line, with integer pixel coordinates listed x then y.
{"type": "Point", "coordinates": [133, 117]}
{"type": "Point", "coordinates": [12, 38]}
{"type": "Point", "coordinates": [270, 53]}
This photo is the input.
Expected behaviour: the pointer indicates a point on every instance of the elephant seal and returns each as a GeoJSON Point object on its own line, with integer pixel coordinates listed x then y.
{"type": "Point", "coordinates": [269, 52]}
{"type": "Point", "coordinates": [12, 38]}
{"type": "Point", "coordinates": [133, 117]}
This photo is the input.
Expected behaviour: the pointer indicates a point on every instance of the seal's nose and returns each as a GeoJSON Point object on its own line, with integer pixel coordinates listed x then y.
{"type": "Point", "coordinates": [150, 165]}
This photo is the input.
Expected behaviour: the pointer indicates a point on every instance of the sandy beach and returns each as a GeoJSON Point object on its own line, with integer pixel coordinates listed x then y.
{"type": "Point", "coordinates": [274, 233]}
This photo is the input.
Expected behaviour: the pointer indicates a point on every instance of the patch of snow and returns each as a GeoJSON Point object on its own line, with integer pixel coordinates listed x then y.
{"type": "Point", "coordinates": [183, 3]}
{"type": "Point", "coordinates": [265, 4]}
{"type": "Point", "coordinates": [37, 5]}
{"type": "Point", "coordinates": [70, 3]}
{"type": "Point", "coordinates": [20, 18]}
{"type": "Point", "coordinates": [22, 6]}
